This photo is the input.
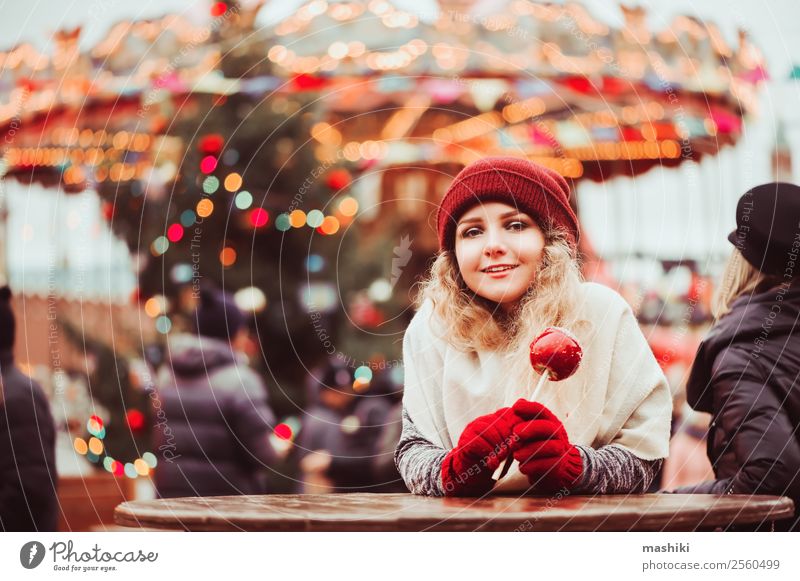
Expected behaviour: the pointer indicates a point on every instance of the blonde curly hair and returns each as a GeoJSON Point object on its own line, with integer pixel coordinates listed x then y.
{"type": "Point", "coordinates": [473, 323]}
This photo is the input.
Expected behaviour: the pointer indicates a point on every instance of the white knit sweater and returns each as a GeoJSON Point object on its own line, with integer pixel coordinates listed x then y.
{"type": "Point", "coordinates": [618, 396]}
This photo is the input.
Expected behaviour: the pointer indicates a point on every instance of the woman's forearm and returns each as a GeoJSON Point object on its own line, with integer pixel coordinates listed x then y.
{"type": "Point", "coordinates": [419, 461]}
{"type": "Point", "coordinates": [614, 470]}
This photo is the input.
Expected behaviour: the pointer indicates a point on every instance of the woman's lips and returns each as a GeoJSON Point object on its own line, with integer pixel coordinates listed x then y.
{"type": "Point", "coordinates": [500, 273]}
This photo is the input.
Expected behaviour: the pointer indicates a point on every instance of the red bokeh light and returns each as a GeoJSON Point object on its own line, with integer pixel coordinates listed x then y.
{"type": "Point", "coordinates": [259, 217]}
{"type": "Point", "coordinates": [208, 164]}
{"type": "Point", "coordinates": [175, 233]}
{"type": "Point", "coordinates": [218, 9]}
{"type": "Point", "coordinates": [283, 431]}
{"type": "Point", "coordinates": [135, 420]}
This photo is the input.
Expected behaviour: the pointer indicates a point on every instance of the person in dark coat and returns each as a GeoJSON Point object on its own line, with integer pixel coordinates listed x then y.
{"type": "Point", "coordinates": [746, 370]}
{"type": "Point", "coordinates": [211, 418]}
{"type": "Point", "coordinates": [28, 480]}
{"type": "Point", "coordinates": [339, 443]}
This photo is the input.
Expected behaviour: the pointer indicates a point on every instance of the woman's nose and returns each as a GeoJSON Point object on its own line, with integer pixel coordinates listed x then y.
{"type": "Point", "coordinates": [494, 244]}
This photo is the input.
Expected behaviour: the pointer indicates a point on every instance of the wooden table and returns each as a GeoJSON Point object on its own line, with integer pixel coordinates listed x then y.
{"type": "Point", "coordinates": [405, 512]}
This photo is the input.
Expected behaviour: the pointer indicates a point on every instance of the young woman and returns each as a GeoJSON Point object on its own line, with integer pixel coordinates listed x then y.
{"type": "Point", "coordinates": [506, 270]}
{"type": "Point", "coordinates": [746, 370]}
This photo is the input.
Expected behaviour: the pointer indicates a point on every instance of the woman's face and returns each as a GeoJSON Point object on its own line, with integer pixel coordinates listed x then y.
{"type": "Point", "coordinates": [498, 250]}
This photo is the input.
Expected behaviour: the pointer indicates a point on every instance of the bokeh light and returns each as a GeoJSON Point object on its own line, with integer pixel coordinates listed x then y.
{"type": "Point", "coordinates": [364, 373]}
{"type": "Point", "coordinates": [330, 225]}
{"type": "Point", "coordinates": [227, 257]}
{"type": "Point", "coordinates": [348, 206]}
{"type": "Point", "coordinates": [150, 459]}
{"type": "Point", "coordinates": [297, 219]}
{"type": "Point", "coordinates": [210, 184]}
{"type": "Point", "coordinates": [141, 467]}
{"type": "Point", "coordinates": [163, 324]}
{"type": "Point", "coordinates": [159, 246]}
{"type": "Point", "coordinates": [95, 446]}
{"type": "Point", "coordinates": [283, 431]}
{"type": "Point", "coordinates": [208, 164]}
{"type": "Point", "coordinates": [188, 218]}
{"type": "Point", "coordinates": [250, 299]}
{"type": "Point", "coordinates": [175, 233]}
{"type": "Point", "coordinates": [244, 200]}
{"type": "Point", "coordinates": [315, 218]}
{"type": "Point", "coordinates": [80, 445]}
{"type": "Point", "coordinates": [155, 306]}
{"type": "Point", "coordinates": [315, 263]}
{"type": "Point", "coordinates": [233, 181]}
{"type": "Point", "coordinates": [282, 223]}
{"type": "Point", "coordinates": [259, 217]}
{"type": "Point", "coordinates": [205, 207]}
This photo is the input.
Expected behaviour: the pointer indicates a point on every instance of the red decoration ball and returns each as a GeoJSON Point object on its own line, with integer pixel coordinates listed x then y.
{"type": "Point", "coordinates": [338, 179]}
{"type": "Point", "coordinates": [556, 352]}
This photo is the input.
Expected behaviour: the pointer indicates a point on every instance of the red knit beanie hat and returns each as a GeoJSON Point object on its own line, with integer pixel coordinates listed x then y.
{"type": "Point", "coordinates": [536, 190]}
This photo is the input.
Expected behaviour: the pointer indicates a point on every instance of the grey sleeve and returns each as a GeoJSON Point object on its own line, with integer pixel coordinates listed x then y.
{"type": "Point", "coordinates": [419, 461]}
{"type": "Point", "coordinates": [614, 470]}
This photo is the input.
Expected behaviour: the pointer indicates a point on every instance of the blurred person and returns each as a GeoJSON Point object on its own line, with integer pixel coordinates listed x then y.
{"type": "Point", "coordinates": [28, 480]}
{"type": "Point", "coordinates": [211, 417]}
{"type": "Point", "coordinates": [687, 462]}
{"type": "Point", "coordinates": [339, 442]}
{"type": "Point", "coordinates": [745, 373]}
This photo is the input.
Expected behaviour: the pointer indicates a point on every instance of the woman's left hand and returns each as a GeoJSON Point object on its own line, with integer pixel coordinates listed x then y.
{"type": "Point", "coordinates": [543, 450]}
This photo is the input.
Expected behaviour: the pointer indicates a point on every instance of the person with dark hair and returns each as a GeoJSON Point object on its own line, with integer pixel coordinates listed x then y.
{"type": "Point", "coordinates": [28, 480]}
{"type": "Point", "coordinates": [211, 418]}
{"type": "Point", "coordinates": [746, 370]}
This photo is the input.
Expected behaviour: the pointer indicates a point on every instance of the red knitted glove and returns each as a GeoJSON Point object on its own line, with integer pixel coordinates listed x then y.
{"type": "Point", "coordinates": [541, 446]}
{"type": "Point", "coordinates": [484, 444]}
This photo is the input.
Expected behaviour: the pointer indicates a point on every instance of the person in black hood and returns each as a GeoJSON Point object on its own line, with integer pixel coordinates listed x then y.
{"type": "Point", "coordinates": [28, 480]}
{"type": "Point", "coordinates": [746, 372]}
{"type": "Point", "coordinates": [211, 419]}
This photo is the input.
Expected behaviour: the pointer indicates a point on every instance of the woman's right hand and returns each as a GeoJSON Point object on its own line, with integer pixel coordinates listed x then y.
{"type": "Point", "coordinates": [484, 444]}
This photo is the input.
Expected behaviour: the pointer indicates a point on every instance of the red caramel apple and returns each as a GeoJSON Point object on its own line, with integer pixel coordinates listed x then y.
{"type": "Point", "coordinates": [556, 352]}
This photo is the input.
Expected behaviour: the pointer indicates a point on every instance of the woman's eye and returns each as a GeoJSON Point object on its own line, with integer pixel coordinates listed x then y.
{"type": "Point", "coordinates": [516, 225]}
{"type": "Point", "coordinates": [470, 232]}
